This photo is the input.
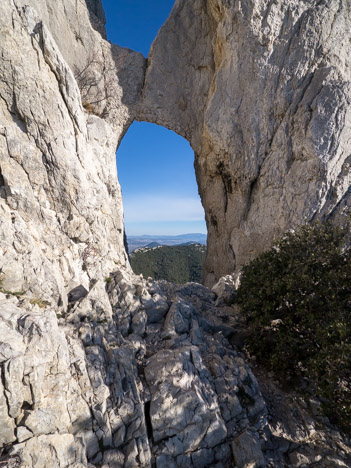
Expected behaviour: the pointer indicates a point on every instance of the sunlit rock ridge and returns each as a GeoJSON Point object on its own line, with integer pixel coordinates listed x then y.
{"type": "Point", "coordinates": [102, 368]}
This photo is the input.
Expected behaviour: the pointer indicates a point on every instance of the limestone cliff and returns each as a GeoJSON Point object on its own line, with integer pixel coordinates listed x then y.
{"type": "Point", "coordinates": [261, 89]}
{"type": "Point", "coordinates": [106, 369]}
{"type": "Point", "coordinates": [61, 208]}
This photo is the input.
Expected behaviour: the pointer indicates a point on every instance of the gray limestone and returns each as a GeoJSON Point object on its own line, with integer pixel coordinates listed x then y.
{"type": "Point", "coordinates": [85, 392]}
{"type": "Point", "coordinates": [61, 216]}
{"type": "Point", "coordinates": [134, 373]}
{"type": "Point", "coordinates": [261, 89]}
{"type": "Point", "coordinates": [247, 451]}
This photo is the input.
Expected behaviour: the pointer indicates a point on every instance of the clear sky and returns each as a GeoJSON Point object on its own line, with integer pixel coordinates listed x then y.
{"type": "Point", "coordinates": [155, 165]}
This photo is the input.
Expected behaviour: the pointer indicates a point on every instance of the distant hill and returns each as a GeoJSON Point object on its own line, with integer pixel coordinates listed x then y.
{"type": "Point", "coordinates": [134, 242]}
{"type": "Point", "coordinates": [178, 263]}
{"type": "Point", "coordinates": [153, 244]}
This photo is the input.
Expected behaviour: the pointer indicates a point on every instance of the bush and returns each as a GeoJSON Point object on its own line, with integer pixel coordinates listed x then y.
{"type": "Point", "coordinates": [297, 300]}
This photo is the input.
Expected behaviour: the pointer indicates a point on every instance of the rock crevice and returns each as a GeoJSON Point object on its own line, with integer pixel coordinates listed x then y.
{"type": "Point", "coordinates": [149, 378]}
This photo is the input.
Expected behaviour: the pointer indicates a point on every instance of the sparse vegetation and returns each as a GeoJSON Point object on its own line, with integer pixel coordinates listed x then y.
{"type": "Point", "coordinates": [88, 107]}
{"type": "Point", "coordinates": [40, 303]}
{"type": "Point", "coordinates": [13, 293]}
{"type": "Point", "coordinates": [6, 291]}
{"type": "Point", "coordinates": [95, 81]}
{"type": "Point", "coordinates": [297, 301]}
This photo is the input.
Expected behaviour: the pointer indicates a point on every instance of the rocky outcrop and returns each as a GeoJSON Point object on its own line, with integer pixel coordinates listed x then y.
{"type": "Point", "coordinates": [148, 379]}
{"type": "Point", "coordinates": [263, 100]}
{"type": "Point", "coordinates": [262, 92]}
{"type": "Point", "coordinates": [61, 222]}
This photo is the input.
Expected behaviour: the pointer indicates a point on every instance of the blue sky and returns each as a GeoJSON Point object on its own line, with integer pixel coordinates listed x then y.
{"type": "Point", "coordinates": [155, 166]}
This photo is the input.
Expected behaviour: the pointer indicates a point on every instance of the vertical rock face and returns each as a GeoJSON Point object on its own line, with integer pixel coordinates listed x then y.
{"type": "Point", "coordinates": [61, 221]}
{"type": "Point", "coordinates": [262, 91]}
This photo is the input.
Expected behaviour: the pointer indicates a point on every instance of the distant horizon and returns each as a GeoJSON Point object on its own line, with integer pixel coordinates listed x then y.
{"type": "Point", "coordinates": [169, 235]}
{"type": "Point", "coordinates": [155, 165]}
{"type": "Point", "coordinates": [157, 177]}
{"type": "Point", "coordinates": [142, 240]}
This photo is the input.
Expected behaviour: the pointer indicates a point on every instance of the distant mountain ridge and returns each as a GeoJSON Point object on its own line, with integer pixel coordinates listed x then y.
{"type": "Point", "coordinates": [135, 242]}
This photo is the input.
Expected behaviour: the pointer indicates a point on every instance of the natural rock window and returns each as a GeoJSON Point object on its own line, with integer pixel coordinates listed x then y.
{"type": "Point", "coordinates": [160, 194]}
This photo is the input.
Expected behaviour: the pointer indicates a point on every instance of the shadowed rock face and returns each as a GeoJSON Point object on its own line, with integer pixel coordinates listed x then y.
{"type": "Point", "coordinates": [261, 90]}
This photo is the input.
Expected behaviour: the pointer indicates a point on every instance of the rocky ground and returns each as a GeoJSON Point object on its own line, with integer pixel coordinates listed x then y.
{"type": "Point", "coordinates": [147, 375]}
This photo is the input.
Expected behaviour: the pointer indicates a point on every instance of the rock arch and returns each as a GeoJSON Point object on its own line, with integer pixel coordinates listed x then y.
{"type": "Point", "coordinates": [261, 91]}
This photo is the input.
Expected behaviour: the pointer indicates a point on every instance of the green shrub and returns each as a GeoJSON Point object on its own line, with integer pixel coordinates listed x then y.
{"type": "Point", "coordinates": [297, 300]}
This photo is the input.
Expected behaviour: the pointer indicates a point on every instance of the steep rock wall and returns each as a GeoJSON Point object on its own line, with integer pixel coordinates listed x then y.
{"type": "Point", "coordinates": [61, 222]}
{"type": "Point", "coordinates": [261, 89]}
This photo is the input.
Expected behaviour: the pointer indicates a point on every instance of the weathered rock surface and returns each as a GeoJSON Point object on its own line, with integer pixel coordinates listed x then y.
{"type": "Point", "coordinates": [61, 222]}
{"type": "Point", "coordinates": [261, 89]}
{"type": "Point", "coordinates": [108, 370]}
{"type": "Point", "coordinates": [131, 388]}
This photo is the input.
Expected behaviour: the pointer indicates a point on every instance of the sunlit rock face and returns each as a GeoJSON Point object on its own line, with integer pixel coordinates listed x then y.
{"type": "Point", "coordinates": [61, 221]}
{"type": "Point", "coordinates": [148, 378]}
{"type": "Point", "coordinates": [108, 369]}
{"type": "Point", "coordinates": [261, 90]}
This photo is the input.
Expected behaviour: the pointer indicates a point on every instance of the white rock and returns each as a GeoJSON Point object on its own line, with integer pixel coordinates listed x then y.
{"type": "Point", "coordinates": [247, 452]}
{"type": "Point", "coordinates": [261, 91]}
